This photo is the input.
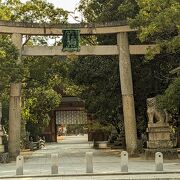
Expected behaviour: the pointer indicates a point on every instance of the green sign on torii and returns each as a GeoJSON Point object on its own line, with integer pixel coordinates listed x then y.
{"type": "Point", "coordinates": [71, 40]}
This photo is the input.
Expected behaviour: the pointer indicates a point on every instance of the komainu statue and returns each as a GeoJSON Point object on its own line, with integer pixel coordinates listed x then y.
{"type": "Point", "coordinates": [161, 135]}
{"type": "Point", "coordinates": [155, 114]}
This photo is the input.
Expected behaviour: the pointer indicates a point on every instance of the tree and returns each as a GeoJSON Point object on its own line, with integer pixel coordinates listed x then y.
{"type": "Point", "coordinates": [170, 100]}
{"type": "Point", "coordinates": [150, 78]}
{"type": "Point", "coordinates": [35, 79]}
{"type": "Point", "coordinates": [100, 87]}
{"type": "Point", "coordinates": [38, 103]}
{"type": "Point", "coordinates": [44, 85]}
{"type": "Point", "coordinates": [9, 69]}
{"type": "Point", "coordinates": [101, 80]}
{"type": "Point", "coordinates": [34, 11]}
{"type": "Point", "coordinates": [159, 22]}
{"type": "Point", "coordinates": [108, 10]}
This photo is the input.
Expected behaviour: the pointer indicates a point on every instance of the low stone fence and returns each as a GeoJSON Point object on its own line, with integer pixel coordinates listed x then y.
{"type": "Point", "coordinates": [89, 163]}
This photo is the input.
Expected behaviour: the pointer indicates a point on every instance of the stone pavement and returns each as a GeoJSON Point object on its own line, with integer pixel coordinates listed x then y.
{"type": "Point", "coordinates": [72, 165]}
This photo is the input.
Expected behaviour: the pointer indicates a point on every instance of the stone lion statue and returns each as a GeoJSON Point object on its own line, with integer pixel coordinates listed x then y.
{"type": "Point", "coordinates": [155, 114]}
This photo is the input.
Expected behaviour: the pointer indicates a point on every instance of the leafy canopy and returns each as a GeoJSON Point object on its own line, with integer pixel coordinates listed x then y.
{"type": "Point", "coordinates": [40, 76]}
{"type": "Point", "coordinates": [150, 78]}
{"type": "Point", "coordinates": [10, 70]}
{"type": "Point", "coordinates": [159, 22]}
{"type": "Point", "coordinates": [170, 100]}
{"type": "Point", "coordinates": [33, 11]}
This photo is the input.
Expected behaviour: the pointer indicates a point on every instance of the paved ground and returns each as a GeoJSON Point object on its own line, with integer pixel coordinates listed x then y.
{"type": "Point", "coordinates": [105, 177]}
{"type": "Point", "coordinates": [72, 151]}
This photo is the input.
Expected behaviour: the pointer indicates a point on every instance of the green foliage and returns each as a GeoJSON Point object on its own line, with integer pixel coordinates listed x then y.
{"type": "Point", "coordinates": [38, 103]}
{"type": "Point", "coordinates": [41, 77]}
{"type": "Point", "coordinates": [97, 126]}
{"type": "Point", "coordinates": [108, 10]}
{"type": "Point", "coordinates": [99, 79]}
{"type": "Point", "coordinates": [159, 22]}
{"type": "Point", "coordinates": [44, 83]}
{"type": "Point", "coordinates": [10, 72]}
{"type": "Point", "coordinates": [149, 77]}
{"type": "Point", "coordinates": [99, 76]}
{"type": "Point", "coordinates": [4, 98]}
{"type": "Point", "coordinates": [103, 97]}
{"type": "Point", "coordinates": [2, 53]}
{"type": "Point", "coordinates": [128, 8]}
{"type": "Point", "coordinates": [34, 11]}
{"type": "Point", "coordinates": [96, 78]}
{"type": "Point", "coordinates": [10, 69]}
{"type": "Point", "coordinates": [5, 12]}
{"type": "Point", "coordinates": [170, 100]}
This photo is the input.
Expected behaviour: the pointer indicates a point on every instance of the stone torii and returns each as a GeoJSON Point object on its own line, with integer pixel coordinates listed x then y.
{"type": "Point", "coordinates": [122, 49]}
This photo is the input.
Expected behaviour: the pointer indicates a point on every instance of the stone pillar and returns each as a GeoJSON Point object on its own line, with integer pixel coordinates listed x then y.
{"type": "Point", "coordinates": [17, 41]}
{"type": "Point", "coordinates": [89, 162]}
{"type": "Point", "coordinates": [15, 108]}
{"type": "Point", "coordinates": [159, 161]}
{"type": "Point", "coordinates": [19, 165]}
{"type": "Point", "coordinates": [14, 120]}
{"type": "Point", "coordinates": [1, 132]}
{"type": "Point", "coordinates": [127, 93]}
{"type": "Point", "coordinates": [54, 163]}
{"type": "Point", "coordinates": [124, 161]}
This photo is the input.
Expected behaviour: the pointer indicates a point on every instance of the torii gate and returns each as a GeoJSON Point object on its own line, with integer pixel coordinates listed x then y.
{"type": "Point", "coordinates": [123, 49]}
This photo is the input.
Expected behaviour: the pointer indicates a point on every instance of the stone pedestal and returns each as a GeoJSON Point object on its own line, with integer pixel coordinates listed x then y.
{"type": "Point", "coordinates": [159, 136]}
{"type": "Point", "coordinates": [160, 140]}
{"type": "Point", "coordinates": [167, 153]}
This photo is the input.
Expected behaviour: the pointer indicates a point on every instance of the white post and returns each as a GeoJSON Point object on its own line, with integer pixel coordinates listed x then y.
{"type": "Point", "coordinates": [124, 161]}
{"type": "Point", "coordinates": [159, 161]}
{"type": "Point", "coordinates": [19, 165]}
{"type": "Point", "coordinates": [89, 162]}
{"type": "Point", "coordinates": [54, 163]}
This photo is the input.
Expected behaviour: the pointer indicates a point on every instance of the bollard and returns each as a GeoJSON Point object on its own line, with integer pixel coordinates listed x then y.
{"type": "Point", "coordinates": [89, 162]}
{"type": "Point", "coordinates": [19, 165]}
{"type": "Point", "coordinates": [54, 163]}
{"type": "Point", "coordinates": [159, 161]}
{"type": "Point", "coordinates": [124, 161]}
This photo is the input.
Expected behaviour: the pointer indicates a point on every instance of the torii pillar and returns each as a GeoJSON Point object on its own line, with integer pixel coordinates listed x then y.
{"type": "Point", "coordinates": [15, 108]}
{"type": "Point", "coordinates": [127, 93]}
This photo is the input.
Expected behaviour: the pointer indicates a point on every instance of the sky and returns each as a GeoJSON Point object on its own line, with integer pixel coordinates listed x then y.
{"type": "Point", "coordinates": [68, 5]}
